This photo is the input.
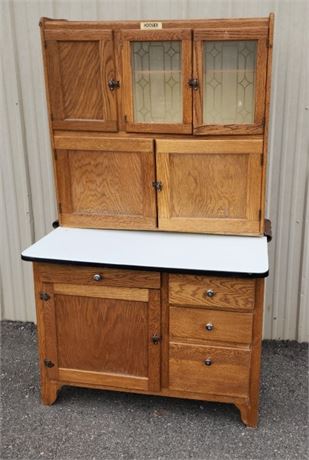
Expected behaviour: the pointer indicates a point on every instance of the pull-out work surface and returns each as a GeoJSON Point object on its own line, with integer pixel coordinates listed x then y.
{"type": "Point", "coordinates": [241, 255]}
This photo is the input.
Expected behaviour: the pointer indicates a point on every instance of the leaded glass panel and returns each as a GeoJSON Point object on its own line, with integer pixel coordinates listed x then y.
{"type": "Point", "coordinates": [229, 77]}
{"type": "Point", "coordinates": [156, 80]}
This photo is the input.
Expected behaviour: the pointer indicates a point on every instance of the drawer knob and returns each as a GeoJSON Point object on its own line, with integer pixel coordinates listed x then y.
{"type": "Point", "coordinates": [97, 277]}
{"type": "Point", "coordinates": [208, 362]}
{"type": "Point", "coordinates": [209, 326]}
{"type": "Point", "coordinates": [210, 293]}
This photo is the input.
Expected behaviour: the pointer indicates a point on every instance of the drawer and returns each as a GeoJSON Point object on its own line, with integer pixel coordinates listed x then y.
{"type": "Point", "coordinates": [98, 276]}
{"type": "Point", "coordinates": [204, 324]}
{"type": "Point", "coordinates": [235, 293]}
{"type": "Point", "coordinates": [227, 374]}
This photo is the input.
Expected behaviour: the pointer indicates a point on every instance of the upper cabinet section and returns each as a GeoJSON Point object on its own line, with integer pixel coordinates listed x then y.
{"type": "Point", "coordinates": [156, 70]}
{"type": "Point", "coordinates": [171, 77]}
{"type": "Point", "coordinates": [230, 72]}
{"type": "Point", "coordinates": [80, 72]}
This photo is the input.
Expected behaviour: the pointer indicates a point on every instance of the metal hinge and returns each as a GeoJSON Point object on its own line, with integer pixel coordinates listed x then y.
{"type": "Point", "coordinates": [48, 363]}
{"type": "Point", "coordinates": [44, 296]}
{"type": "Point", "coordinates": [60, 207]}
{"type": "Point", "coordinates": [262, 160]}
{"type": "Point", "coordinates": [260, 214]}
{"type": "Point", "coordinates": [157, 184]}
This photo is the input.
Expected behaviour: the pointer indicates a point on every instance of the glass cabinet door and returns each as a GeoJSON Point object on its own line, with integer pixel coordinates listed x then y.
{"type": "Point", "coordinates": [230, 68]}
{"type": "Point", "coordinates": [156, 70]}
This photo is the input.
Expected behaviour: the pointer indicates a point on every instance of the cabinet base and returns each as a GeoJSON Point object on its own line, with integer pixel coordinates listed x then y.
{"type": "Point", "coordinates": [248, 413]}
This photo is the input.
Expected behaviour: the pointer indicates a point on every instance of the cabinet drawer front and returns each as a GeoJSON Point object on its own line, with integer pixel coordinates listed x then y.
{"type": "Point", "coordinates": [234, 293]}
{"type": "Point", "coordinates": [227, 374]}
{"type": "Point", "coordinates": [98, 276]}
{"type": "Point", "coordinates": [202, 324]}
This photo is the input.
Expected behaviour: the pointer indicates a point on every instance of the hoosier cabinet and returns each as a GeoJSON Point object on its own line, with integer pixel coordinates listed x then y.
{"type": "Point", "coordinates": [153, 282]}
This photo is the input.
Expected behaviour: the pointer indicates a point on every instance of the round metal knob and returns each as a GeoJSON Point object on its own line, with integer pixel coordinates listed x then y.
{"type": "Point", "coordinates": [208, 362]}
{"type": "Point", "coordinates": [209, 326]}
{"type": "Point", "coordinates": [210, 293]}
{"type": "Point", "coordinates": [97, 277]}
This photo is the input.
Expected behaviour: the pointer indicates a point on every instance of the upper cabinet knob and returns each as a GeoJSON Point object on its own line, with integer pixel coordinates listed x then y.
{"type": "Point", "coordinates": [209, 326]}
{"type": "Point", "coordinates": [193, 83]}
{"type": "Point", "coordinates": [113, 84]}
{"type": "Point", "coordinates": [97, 277]}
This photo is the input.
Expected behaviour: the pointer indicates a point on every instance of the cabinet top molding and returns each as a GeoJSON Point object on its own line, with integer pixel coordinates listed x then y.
{"type": "Point", "coordinates": [49, 23]}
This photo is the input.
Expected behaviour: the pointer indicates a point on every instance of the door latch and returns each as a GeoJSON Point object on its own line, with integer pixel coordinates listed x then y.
{"type": "Point", "coordinates": [44, 296]}
{"type": "Point", "coordinates": [155, 339]}
{"type": "Point", "coordinates": [48, 363]}
{"type": "Point", "coordinates": [113, 84]}
{"type": "Point", "coordinates": [157, 185]}
{"type": "Point", "coordinates": [193, 83]}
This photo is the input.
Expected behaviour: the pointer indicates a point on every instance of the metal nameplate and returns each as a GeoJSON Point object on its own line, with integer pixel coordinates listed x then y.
{"type": "Point", "coordinates": [151, 25]}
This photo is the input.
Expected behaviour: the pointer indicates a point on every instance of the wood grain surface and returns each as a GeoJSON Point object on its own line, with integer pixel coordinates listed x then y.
{"type": "Point", "coordinates": [228, 374]}
{"type": "Point", "coordinates": [190, 323]}
{"type": "Point", "coordinates": [71, 274]}
{"type": "Point", "coordinates": [229, 293]}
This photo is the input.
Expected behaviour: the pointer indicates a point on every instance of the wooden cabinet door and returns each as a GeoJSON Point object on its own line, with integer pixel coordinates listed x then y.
{"type": "Point", "coordinates": [102, 335]}
{"type": "Point", "coordinates": [230, 65]}
{"type": "Point", "coordinates": [156, 68]}
{"type": "Point", "coordinates": [211, 186]}
{"type": "Point", "coordinates": [105, 182]}
{"type": "Point", "coordinates": [79, 65]}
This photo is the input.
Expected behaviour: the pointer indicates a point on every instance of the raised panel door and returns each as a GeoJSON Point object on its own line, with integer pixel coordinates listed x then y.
{"type": "Point", "coordinates": [106, 183]}
{"type": "Point", "coordinates": [210, 186]}
{"type": "Point", "coordinates": [79, 65]}
{"type": "Point", "coordinates": [102, 335]}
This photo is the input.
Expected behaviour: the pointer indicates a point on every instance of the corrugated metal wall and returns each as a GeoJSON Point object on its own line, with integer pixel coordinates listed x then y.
{"type": "Point", "coordinates": [27, 191]}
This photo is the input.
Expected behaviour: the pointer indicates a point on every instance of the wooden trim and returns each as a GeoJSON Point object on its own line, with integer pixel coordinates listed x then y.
{"type": "Point", "coordinates": [165, 128]}
{"type": "Point", "coordinates": [51, 24]}
{"type": "Point", "coordinates": [165, 330]}
{"type": "Point", "coordinates": [267, 116]}
{"type": "Point", "coordinates": [110, 144]}
{"type": "Point", "coordinates": [213, 226]}
{"type": "Point", "coordinates": [49, 315]}
{"type": "Point", "coordinates": [102, 378]}
{"type": "Point", "coordinates": [240, 129]}
{"type": "Point", "coordinates": [107, 292]}
{"type": "Point", "coordinates": [154, 351]}
{"type": "Point", "coordinates": [108, 222]}
{"type": "Point", "coordinates": [85, 125]}
{"type": "Point", "coordinates": [209, 146]}
{"type": "Point", "coordinates": [226, 33]}
{"type": "Point", "coordinates": [77, 35]}
{"type": "Point", "coordinates": [156, 35]}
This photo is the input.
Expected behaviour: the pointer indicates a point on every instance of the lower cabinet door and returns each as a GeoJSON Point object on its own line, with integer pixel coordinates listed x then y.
{"type": "Point", "coordinates": [102, 335]}
{"type": "Point", "coordinates": [208, 369]}
{"type": "Point", "coordinates": [211, 186]}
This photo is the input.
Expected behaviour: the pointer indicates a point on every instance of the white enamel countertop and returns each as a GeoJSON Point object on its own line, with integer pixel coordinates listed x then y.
{"type": "Point", "coordinates": [182, 251]}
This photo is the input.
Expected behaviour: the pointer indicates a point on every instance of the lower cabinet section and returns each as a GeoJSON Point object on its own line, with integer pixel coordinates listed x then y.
{"type": "Point", "coordinates": [127, 330]}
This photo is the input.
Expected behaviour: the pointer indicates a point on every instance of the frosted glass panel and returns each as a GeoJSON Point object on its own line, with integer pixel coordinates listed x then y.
{"type": "Point", "coordinates": [229, 76]}
{"type": "Point", "coordinates": [156, 79]}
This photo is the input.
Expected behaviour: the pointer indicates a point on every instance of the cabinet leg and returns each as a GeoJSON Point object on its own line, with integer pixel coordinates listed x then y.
{"type": "Point", "coordinates": [49, 392]}
{"type": "Point", "coordinates": [248, 414]}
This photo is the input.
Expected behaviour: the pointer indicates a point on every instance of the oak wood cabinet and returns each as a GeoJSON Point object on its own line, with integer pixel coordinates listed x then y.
{"type": "Point", "coordinates": [178, 335]}
{"type": "Point", "coordinates": [162, 130]}
{"type": "Point", "coordinates": [179, 115]}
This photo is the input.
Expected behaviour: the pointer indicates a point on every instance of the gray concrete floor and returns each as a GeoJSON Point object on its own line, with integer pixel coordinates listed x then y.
{"type": "Point", "coordinates": [93, 424]}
